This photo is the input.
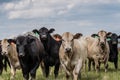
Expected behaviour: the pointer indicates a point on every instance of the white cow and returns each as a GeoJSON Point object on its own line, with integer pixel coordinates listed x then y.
{"type": "Point", "coordinates": [72, 53]}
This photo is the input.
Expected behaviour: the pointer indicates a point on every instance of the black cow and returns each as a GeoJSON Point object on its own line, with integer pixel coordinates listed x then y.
{"type": "Point", "coordinates": [30, 52]}
{"type": "Point", "coordinates": [113, 44]}
{"type": "Point", "coordinates": [52, 49]}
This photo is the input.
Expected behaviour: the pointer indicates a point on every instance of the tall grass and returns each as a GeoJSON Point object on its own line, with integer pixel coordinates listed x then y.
{"type": "Point", "coordinates": [111, 74]}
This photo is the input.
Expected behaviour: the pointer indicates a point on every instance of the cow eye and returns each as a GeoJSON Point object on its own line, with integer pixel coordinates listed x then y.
{"type": "Point", "coordinates": [63, 40]}
{"type": "Point", "coordinates": [72, 40]}
{"type": "Point", "coordinates": [17, 45]}
{"type": "Point", "coordinates": [8, 45]}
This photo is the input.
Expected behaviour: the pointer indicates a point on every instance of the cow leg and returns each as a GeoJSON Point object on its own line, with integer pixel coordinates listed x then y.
{"type": "Point", "coordinates": [67, 76]}
{"type": "Point", "coordinates": [116, 63]}
{"type": "Point", "coordinates": [96, 65]}
{"type": "Point", "coordinates": [1, 67]}
{"type": "Point", "coordinates": [47, 70]}
{"type": "Point", "coordinates": [56, 70]}
{"type": "Point", "coordinates": [33, 71]}
{"type": "Point", "coordinates": [106, 63]}
{"type": "Point", "coordinates": [106, 66]}
{"type": "Point", "coordinates": [89, 65]}
{"type": "Point", "coordinates": [43, 68]}
{"type": "Point", "coordinates": [12, 73]}
{"type": "Point", "coordinates": [25, 72]}
{"type": "Point", "coordinates": [77, 69]}
{"type": "Point", "coordinates": [93, 65]}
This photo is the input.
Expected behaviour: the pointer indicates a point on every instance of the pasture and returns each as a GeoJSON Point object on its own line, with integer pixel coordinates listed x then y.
{"type": "Point", "coordinates": [111, 74]}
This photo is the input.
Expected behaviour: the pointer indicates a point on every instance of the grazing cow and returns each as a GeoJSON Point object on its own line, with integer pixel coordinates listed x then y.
{"type": "Point", "coordinates": [52, 51]}
{"type": "Point", "coordinates": [72, 53]}
{"type": "Point", "coordinates": [30, 53]}
{"type": "Point", "coordinates": [113, 44]}
{"type": "Point", "coordinates": [98, 50]}
{"type": "Point", "coordinates": [9, 49]}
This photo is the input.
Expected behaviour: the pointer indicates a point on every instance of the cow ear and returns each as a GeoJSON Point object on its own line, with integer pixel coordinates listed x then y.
{"type": "Point", "coordinates": [94, 35]}
{"type": "Point", "coordinates": [119, 36]}
{"type": "Point", "coordinates": [78, 35]}
{"type": "Point", "coordinates": [11, 41]}
{"type": "Point", "coordinates": [51, 30]}
{"type": "Point", "coordinates": [35, 31]}
{"type": "Point", "coordinates": [57, 36]}
{"type": "Point", "coordinates": [109, 34]}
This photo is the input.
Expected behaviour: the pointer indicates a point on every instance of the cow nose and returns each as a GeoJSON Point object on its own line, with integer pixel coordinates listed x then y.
{"type": "Point", "coordinates": [102, 43]}
{"type": "Point", "coordinates": [21, 54]}
{"type": "Point", "coordinates": [3, 53]}
{"type": "Point", "coordinates": [44, 36]}
{"type": "Point", "coordinates": [68, 49]}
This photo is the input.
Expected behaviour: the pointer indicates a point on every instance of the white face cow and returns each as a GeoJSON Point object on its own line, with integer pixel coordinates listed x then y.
{"type": "Point", "coordinates": [6, 46]}
{"type": "Point", "coordinates": [67, 41]}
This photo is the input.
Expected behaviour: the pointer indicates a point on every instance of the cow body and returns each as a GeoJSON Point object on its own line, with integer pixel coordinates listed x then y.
{"type": "Point", "coordinates": [72, 55]}
{"type": "Point", "coordinates": [98, 50]}
{"type": "Point", "coordinates": [113, 44]}
{"type": "Point", "coordinates": [30, 52]}
{"type": "Point", "coordinates": [9, 49]}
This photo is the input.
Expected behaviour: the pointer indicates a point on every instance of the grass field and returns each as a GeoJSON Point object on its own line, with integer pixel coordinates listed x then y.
{"type": "Point", "coordinates": [112, 74]}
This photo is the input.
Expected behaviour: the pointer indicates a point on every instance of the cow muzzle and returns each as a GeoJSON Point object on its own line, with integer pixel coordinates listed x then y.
{"type": "Point", "coordinates": [102, 44]}
{"type": "Point", "coordinates": [21, 55]}
{"type": "Point", "coordinates": [43, 36]}
{"type": "Point", "coordinates": [4, 53]}
{"type": "Point", "coordinates": [67, 50]}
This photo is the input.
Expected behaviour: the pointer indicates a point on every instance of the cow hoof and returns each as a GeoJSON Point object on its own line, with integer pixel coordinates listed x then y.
{"type": "Point", "coordinates": [105, 70]}
{"type": "Point", "coordinates": [32, 78]}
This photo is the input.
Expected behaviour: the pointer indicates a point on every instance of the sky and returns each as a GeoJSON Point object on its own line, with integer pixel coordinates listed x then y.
{"type": "Point", "coordinates": [83, 16]}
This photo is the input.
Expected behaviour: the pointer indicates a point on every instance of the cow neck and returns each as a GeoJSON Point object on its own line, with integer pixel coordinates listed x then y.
{"type": "Point", "coordinates": [114, 47]}
{"type": "Point", "coordinates": [69, 55]}
{"type": "Point", "coordinates": [13, 52]}
{"type": "Point", "coordinates": [47, 43]}
{"type": "Point", "coordinates": [102, 51]}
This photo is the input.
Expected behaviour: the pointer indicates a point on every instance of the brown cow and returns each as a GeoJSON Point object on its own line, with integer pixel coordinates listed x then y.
{"type": "Point", "coordinates": [9, 49]}
{"type": "Point", "coordinates": [98, 50]}
{"type": "Point", "coordinates": [72, 54]}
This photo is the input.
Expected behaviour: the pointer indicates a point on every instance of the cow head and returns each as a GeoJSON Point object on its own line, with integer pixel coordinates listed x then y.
{"type": "Point", "coordinates": [22, 43]}
{"type": "Point", "coordinates": [6, 45]}
{"type": "Point", "coordinates": [102, 36]}
{"type": "Point", "coordinates": [113, 38]}
{"type": "Point", "coordinates": [44, 33]}
{"type": "Point", "coordinates": [68, 41]}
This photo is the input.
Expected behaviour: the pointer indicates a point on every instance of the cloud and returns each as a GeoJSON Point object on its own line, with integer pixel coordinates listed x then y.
{"type": "Point", "coordinates": [31, 13]}
{"type": "Point", "coordinates": [46, 8]}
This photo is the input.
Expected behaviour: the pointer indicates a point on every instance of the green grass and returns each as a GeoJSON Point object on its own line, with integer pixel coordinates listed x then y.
{"type": "Point", "coordinates": [111, 74]}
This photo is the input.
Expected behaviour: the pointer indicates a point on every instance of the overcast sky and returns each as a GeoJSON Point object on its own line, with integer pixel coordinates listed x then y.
{"type": "Point", "coordinates": [85, 16]}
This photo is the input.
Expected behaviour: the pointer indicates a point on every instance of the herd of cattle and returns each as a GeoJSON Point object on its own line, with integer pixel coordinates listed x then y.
{"type": "Point", "coordinates": [40, 48]}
